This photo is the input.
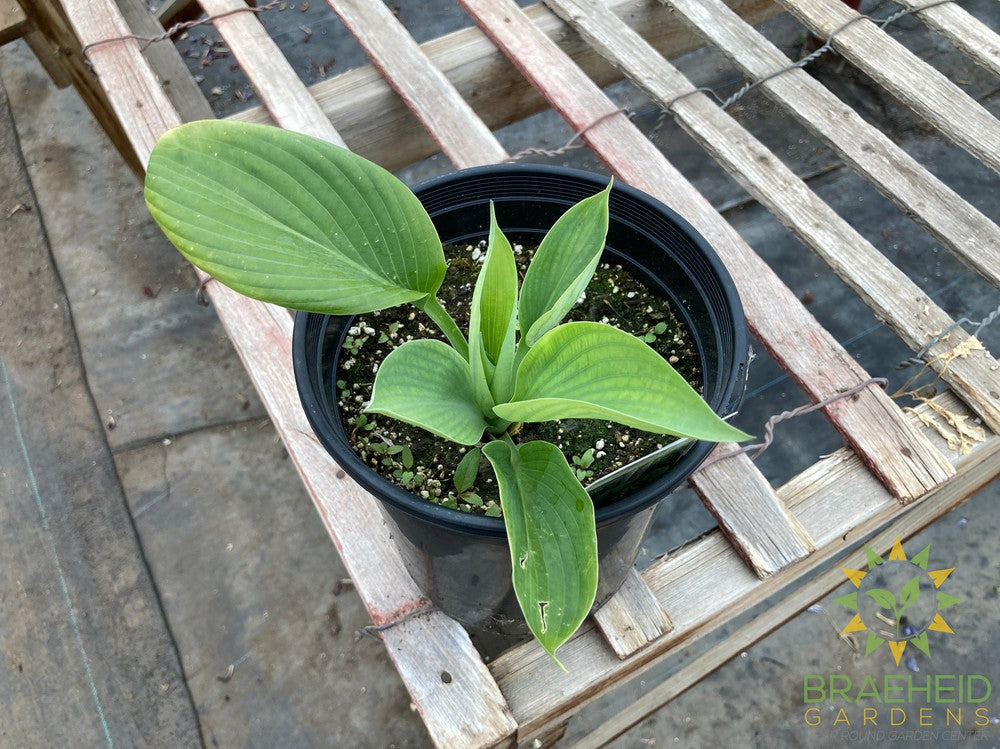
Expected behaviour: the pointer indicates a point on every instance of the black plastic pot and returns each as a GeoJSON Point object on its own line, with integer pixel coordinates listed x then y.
{"type": "Point", "coordinates": [462, 561]}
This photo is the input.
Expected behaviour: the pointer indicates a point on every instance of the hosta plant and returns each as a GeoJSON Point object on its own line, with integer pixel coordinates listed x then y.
{"type": "Point", "coordinates": [299, 222]}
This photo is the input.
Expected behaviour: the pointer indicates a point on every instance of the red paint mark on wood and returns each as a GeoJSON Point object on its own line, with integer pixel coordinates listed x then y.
{"type": "Point", "coordinates": [393, 616]}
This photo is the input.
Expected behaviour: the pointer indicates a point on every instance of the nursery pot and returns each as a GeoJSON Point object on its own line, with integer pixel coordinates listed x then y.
{"type": "Point", "coordinates": [462, 561]}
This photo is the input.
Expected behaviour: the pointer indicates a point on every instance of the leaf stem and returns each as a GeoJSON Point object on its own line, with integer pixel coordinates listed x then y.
{"type": "Point", "coordinates": [433, 309]}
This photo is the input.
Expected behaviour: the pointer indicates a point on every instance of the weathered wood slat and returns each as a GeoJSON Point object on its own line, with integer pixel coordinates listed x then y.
{"type": "Point", "coordinates": [132, 89]}
{"type": "Point", "coordinates": [889, 292]}
{"type": "Point", "coordinates": [915, 83]}
{"type": "Point", "coordinates": [871, 423]}
{"type": "Point", "coordinates": [952, 220]}
{"type": "Point", "coordinates": [442, 679]}
{"type": "Point", "coordinates": [941, 501]}
{"type": "Point", "coordinates": [705, 584]}
{"type": "Point", "coordinates": [261, 334]}
{"type": "Point", "coordinates": [449, 120]}
{"type": "Point", "coordinates": [467, 58]}
{"type": "Point", "coordinates": [272, 77]}
{"type": "Point", "coordinates": [974, 38]}
{"type": "Point", "coordinates": [632, 618]}
{"type": "Point", "coordinates": [763, 532]}
{"type": "Point", "coordinates": [166, 63]}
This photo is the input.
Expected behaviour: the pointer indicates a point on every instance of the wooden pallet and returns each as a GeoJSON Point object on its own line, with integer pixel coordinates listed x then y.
{"type": "Point", "coordinates": [893, 467]}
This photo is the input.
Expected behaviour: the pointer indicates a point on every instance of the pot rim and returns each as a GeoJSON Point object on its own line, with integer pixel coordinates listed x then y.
{"type": "Point", "coordinates": [730, 391]}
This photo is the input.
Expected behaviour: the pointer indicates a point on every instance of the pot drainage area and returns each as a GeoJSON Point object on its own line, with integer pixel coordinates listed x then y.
{"type": "Point", "coordinates": [167, 536]}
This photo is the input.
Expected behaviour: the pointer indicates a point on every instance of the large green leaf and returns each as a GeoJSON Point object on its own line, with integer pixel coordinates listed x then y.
{"type": "Point", "coordinates": [493, 320]}
{"type": "Point", "coordinates": [291, 219]}
{"type": "Point", "coordinates": [553, 540]}
{"type": "Point", "coordinates": [426, 383]}
{"type": "Point", "coordinates": [563, 266]}
{"type": "Point", "coordinates": [585, 370]}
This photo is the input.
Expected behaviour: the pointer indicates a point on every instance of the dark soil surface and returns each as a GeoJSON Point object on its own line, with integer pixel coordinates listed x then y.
{"type": "Point", "coordinates": [425, 464]}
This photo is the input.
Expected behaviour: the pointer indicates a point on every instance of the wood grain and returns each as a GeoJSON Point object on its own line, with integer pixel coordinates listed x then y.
{"type": "Point", "coordinates": [632, 618]}
{"type": "Point", "coordinates": [911, 80]}
{"type": "Point", "coordinates": [892, 296]}
{"type": "Point", "coordinates": [272, 77]}
{"type": "Point", "coordinates": [468, 59]}
{"type": "Point", "coordinates": [952, 220]}
{"type": "Point", "coordinates": [139, 105]}
{"type": "Point", "coordinates": [434, 654]}
{"type": "Point", "coordinates": [871, 423]}
{"type": "Point", "coordinates": [449, 120]}
{"type": "Point", "coordinates": [761, 529]}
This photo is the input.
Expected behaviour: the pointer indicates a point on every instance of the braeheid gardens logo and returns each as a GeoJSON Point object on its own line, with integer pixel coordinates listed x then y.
{"type": "Point", "coordinates": [899, 603]}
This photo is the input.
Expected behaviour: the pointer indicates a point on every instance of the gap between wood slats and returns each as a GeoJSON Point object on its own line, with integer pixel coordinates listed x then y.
{"type": "Point", "coordinates": [272, 77]}
{"type": "Point", "coordinates": [871, 422]}
{"type": "Point", "coordinates": [954, 222]}
{"type": "Point", "coordinates": [889, 292]}
{"type": "Point", "coordinates": [705, 584]}
{"type": "Point", "coordinates": [449, 120]}
{"type": "Point", "coordinates": [261, 335]}
{"type": "Point", "coordinates": [915, 83]}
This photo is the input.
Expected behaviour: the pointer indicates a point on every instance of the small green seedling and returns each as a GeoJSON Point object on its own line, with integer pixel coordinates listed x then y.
{"type": "Point", "coordinates": [299, 222]}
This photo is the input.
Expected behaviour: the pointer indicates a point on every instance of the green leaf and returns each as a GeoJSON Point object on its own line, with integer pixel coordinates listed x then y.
{"type": "Point", "coordinates": [944, 600]}
{"type": "Point", "coordinates": [494, 300]}
{"type": "Point", "coordinates": [493, 320]}
{"type": "Point", "coordinates": [426, 383]}
{"type": "Point", "coordinates": [291, 219]}
{"type": "Point", "coordinates": [563, 266]}
{"type": "Point", "coordinates": [873, 642]}
{"type": "Point", "coordinates": [553, 540]}
{"type": "Point", "coordinates": [586, 370]}
{"type": "Point", "coordinates": [884, 598]}
{"type": "Point", "coordinates": [467, 470]}
{"type": "Point", "coordinates": [909, 593]}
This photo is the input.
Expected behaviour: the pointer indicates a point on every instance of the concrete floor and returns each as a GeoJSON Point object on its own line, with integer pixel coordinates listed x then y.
{"type": "Point", "coordinates": [216, 571]}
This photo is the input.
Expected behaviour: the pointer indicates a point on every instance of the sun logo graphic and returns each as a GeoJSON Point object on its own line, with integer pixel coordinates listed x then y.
{"type": "Point", "coordinates": [898, 601]}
